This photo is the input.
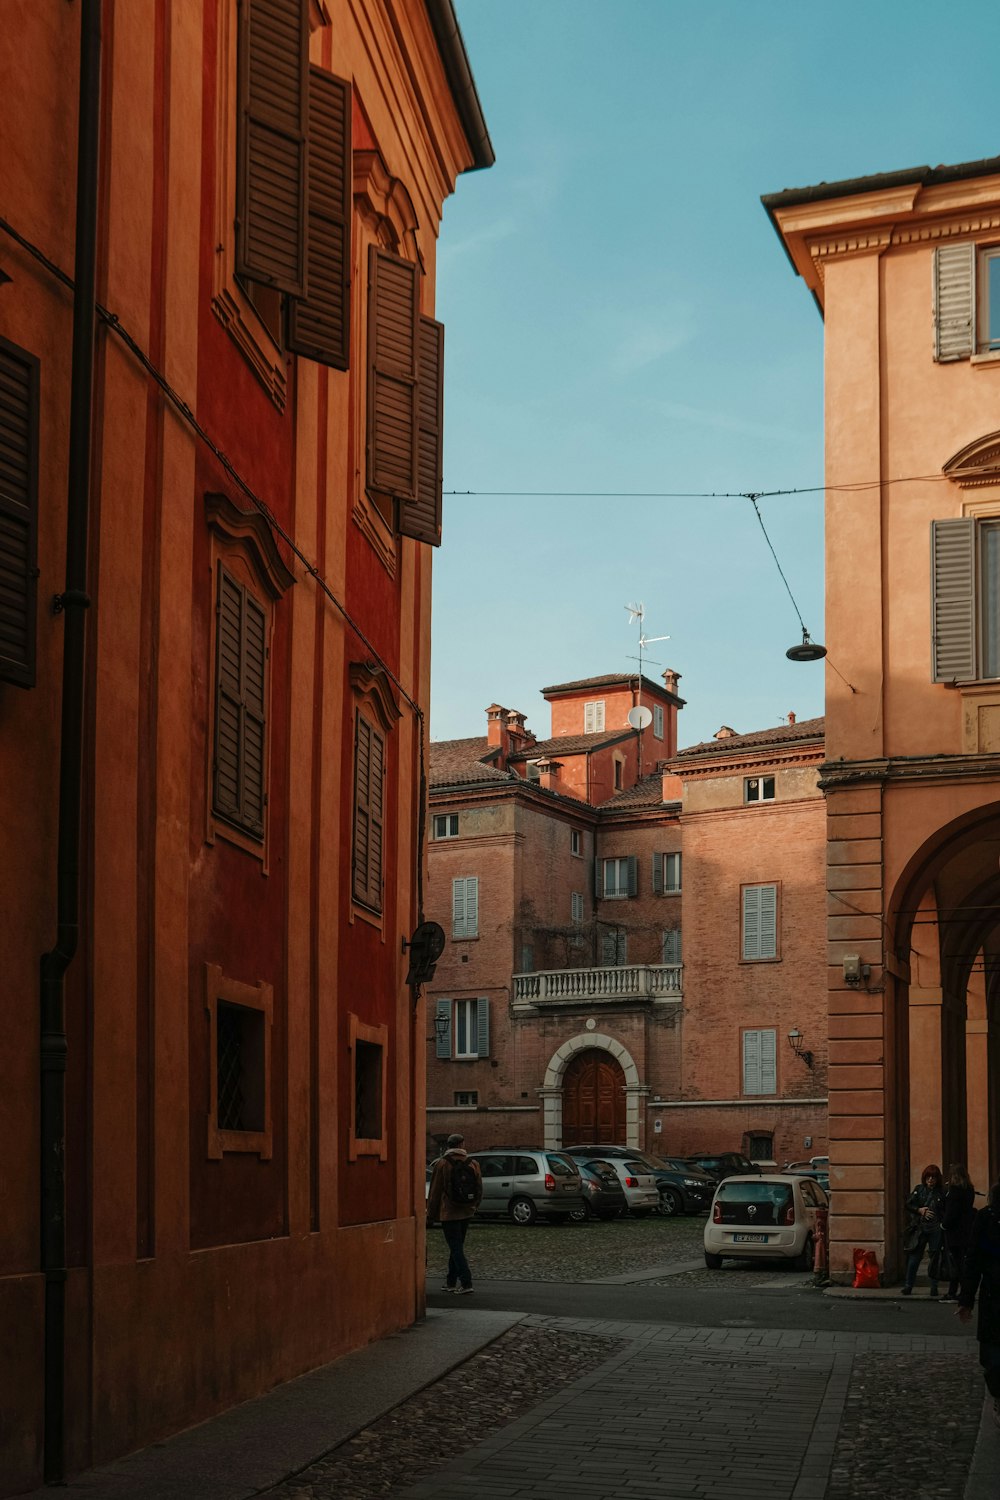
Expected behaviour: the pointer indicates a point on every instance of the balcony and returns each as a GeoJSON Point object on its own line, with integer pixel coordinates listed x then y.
{"type": "Point", "coordinates": [659, 984]}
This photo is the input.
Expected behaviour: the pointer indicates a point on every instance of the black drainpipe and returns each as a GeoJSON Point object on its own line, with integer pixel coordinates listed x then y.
{"type": "Point", "coordinates": [73, 603]}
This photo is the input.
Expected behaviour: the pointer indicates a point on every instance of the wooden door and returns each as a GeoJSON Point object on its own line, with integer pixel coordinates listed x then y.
{"type": "Point", "coordinates": [593, 1100]}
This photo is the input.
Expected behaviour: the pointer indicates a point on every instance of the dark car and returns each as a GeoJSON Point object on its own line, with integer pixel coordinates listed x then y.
{"type": "Point", "coordinates": [722, 1164]}
{"type": "Point", "coordinates": [683, 1188]}
{"type": "Point", "coordinates": [605, 1197]}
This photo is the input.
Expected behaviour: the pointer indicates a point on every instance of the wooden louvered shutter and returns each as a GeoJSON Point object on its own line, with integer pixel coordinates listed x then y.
{"type": "Point", "coordinates": [228, 705]}
{"type": "Point", "coordinates": [768, 1063]}
{"type": "Point", "coordinates": [632, 866]}
{"type": "Point", "coordinates": [768, 909]}
{"type": "Point", "coordinates": [657, 874]}
{"type": "Point", "coordinates": [751, 1062]}
{"type": "Point", "coordinates": [393, 359]}
{"type": "Point", "coordinates": [320, 326]}
{"type": "Point", "coordinates": [254, 666]}
{"type": "Point", "coordinates": [751, 921]}
{"type": "Point", "coordinates": [271, 186]}
{"type": "Point", "coordinates": [240, 713]}
{"type": "Point", "coordinates": [672, 945]}
{"type": "Point", "coordinates": [953, 600]}
{"type": "Point", "coordinates": [472, 906]}
{"type": "Point", "coordinates": [18, 513]}
{"type": "Point", "coordinates": [954, 301]}
{"type": "Point", "coordinates": [421, 518]}
{"type": "Point", "coordinates": [369, 775]}
{"type": "Point", "coordinates": [458, 908]}
{"type": "Point", "coordinates": [442, 1034]}
{"type": "Point", "coordinates": [598, 878]}
{"type": "Point", "coordinates": [482, 1027]}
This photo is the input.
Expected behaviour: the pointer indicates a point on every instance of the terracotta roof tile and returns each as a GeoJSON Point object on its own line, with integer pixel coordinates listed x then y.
{"type": "Point", "coordinates": [781, 734]}
{"type": "Point", "coordinates": [610, 679]}
{"type": "Point", "coordinates": [571, 744]}
{"type": "Point", "coordinates": [646, 793]}
{"type": "Point", "coordinates": [455, 762]}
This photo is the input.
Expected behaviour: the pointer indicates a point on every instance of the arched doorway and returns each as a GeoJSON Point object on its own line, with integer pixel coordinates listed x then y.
{"type": "Point", "coordinates": [593, 1099]}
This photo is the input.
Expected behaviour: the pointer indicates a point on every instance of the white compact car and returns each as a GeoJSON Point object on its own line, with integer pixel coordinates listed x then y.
{"type": "Point", "coordinates": [641, 1192]}
{"type": "Point", "coordinates": [760, 1218]}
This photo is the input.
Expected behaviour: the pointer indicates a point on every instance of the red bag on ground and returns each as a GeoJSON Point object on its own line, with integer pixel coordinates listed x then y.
{"type": "Point", "coordinates": [866, 1269]}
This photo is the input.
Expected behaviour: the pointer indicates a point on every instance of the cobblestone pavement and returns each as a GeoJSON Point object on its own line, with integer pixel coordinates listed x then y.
{"type": "Point", "coordinates": [505, 1379]}
{"type": "Point", "coordinates": [498, 1251]}
{"type": "Point", "coordinates": [733, 1414]}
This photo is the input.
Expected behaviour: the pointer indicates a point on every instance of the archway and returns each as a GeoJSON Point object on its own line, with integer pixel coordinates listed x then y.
{"type": "Point", "coordinates": [627, 1080]}
{"type": "Point", "coordinates": [593, 1099]}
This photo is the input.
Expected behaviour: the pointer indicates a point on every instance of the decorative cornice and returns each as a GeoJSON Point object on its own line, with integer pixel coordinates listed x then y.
{"type": "Point", "coordinates": [946, 229]}
{"type": "Point", "coordinates": [370, 682]}
{"type": "Point", "coordinates": [839, 247]}
{"type": "Point", "coordinates": [249, 528]}
{"type": "Point", "coordinates": [977, 464]}
{"type": "Point", "coordinates": [385, 202]}
{"type": "Point", "coordinates": [835, 775]}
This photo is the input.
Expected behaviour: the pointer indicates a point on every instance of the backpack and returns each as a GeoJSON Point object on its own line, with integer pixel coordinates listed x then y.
{"type": "Point", "coordinates": [463, 1183]}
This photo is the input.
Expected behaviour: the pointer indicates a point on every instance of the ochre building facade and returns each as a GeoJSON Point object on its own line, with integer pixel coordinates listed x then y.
{"type": "Point", "coordinates": [905, 268]}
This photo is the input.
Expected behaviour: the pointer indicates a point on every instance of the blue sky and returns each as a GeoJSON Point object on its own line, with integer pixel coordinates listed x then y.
{"type": "Point", "coordinates": [620, 316]}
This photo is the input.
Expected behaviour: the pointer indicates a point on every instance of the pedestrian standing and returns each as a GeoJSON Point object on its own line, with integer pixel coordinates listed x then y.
{"type": "Point", "coordinates": [957, 1223]}
{"type": "Point", "coordinates": [981, 1274]}
{"type": "Point", "coordinates": [455, 1193]}
{"type": "Point", "coordinates": [924, 1209]}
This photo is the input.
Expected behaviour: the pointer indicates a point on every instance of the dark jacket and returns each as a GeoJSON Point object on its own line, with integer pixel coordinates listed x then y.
{"type": "Point", "coordinates": [982, 1275]}
{"type": "Point", "coordinates": [959, 1217]}
{"type": "Point", "coordinates": [439, 1204]}
{"type": "Point", "coordinates": [917, 1226]}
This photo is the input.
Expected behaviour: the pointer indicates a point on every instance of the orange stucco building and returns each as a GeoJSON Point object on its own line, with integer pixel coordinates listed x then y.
{"type": "Point", "coordinates": [905, 268]}
{"type": "Point", "coordinates": [628, 966]}
{"type": "Point", "coordinates": [216, 498]}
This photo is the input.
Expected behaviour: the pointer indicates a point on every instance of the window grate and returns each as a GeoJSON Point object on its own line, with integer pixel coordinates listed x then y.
{"type": "Point", "coordinates": [229, 1067]}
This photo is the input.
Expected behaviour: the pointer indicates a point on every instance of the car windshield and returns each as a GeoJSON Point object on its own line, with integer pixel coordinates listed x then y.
{"type": "Point", "coordinates": [560, 1166]}
{"type": "Point", "coordinates": [638, 1168]}
{"type": "Point", "coordinates": [602, 1169]}
{"type": "Point", "coordinates": [778, 1193]}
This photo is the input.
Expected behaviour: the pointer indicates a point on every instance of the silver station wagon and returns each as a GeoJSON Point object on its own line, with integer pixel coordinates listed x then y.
{"type": "Point", "coordinates": [524, 1184]}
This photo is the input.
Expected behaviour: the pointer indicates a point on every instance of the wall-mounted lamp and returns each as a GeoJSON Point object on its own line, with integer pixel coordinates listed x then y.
{"type": "Point", "coordinates": [441, 1024]}
{"type": "Point", "coordinates": [795, 1040]}
{"type": "Point", "coordinates": [855, 972]}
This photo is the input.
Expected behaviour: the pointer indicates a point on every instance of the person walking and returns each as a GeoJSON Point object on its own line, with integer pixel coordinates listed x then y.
{"type": "Point", "coordinates": [924, 1208]}
{"type": "Point", "coordinates": [957, 1223]}
{"type": "Point", "coordinates": [981, 1273]}
{"type": "Point", "coordinates": [455, 1193]}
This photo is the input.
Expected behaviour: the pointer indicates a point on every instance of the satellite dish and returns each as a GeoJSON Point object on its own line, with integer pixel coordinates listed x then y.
{"type": "Point", "coordinates": [640, 717]}
{"type": "Point", "coordinates": [425, 948]}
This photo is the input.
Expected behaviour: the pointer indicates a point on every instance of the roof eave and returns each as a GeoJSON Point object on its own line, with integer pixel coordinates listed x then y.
{"type": "Point", "coordinates": [451, 45]}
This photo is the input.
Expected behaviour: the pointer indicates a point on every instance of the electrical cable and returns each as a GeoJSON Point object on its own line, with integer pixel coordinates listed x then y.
{"type": "Point", "coordinates": [809, 489]}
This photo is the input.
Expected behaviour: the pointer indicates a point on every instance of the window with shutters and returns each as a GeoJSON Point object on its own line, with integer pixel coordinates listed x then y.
{"type": "Point", "coordinates": [614, 947]}
{"type": "Point", "coordinates": [617, 877]}
{"type": "Point", "coordinates": [671, 946]}
{"type": "Point", "coordinates": [19, 383]}
{"type": "Point", "coordinates": [462, 1029]}
{"type": "Point", "coordinates": [376, 713]}
{"type": "Point", "coordinates": [759, 923]}
{"type": "Point", "coordinates": [657, 721]}
{"type": "Point", "coordinates": [667, 874]}
{"type": "Point", "coordinates": [576, 842]}
{"type": "Point", "coordinates": [576, 906]}
{"type": "Point", "coordinates": [369, 1085]}
{"type": "Point", "coordinates": [966, 301]}
{"type": "Point", "coordinates": [239, 1065]}
{"type": "Point", "coordinates": [446, 825]}
{"type": "Point", "coordinates": [369, 812]}
{"type": "Point", "coordinates": [760, 1062]}
{"type": "Point", "coordinates": [466, 1099]}
{"type": "Point", "coordinates": [965, 599]}
{"type": "Point", "coordinates": [593, 717]}
{"type": "Point", "coordinates": [758, 789]}
{"type": "Point", "coordinates": [249, 578]}
{"type": "Point", "coordinates": [619, 766]}
{"type": "Point", "coordinates": [239, 777]}
{"type": "Point", "coordinates": [465, 907]}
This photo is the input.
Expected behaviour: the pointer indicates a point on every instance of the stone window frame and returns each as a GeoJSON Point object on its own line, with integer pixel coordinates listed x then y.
{"type": "Point", "coordinates": [257, 997]}
{"type": "Point", "coordinates": [378, 1036]}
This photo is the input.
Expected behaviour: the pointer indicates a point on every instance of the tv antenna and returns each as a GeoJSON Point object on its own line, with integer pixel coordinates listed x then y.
{"type": "Point", "coordinates": [640, 717]}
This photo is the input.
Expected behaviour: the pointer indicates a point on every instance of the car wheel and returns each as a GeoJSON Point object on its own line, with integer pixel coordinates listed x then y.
{"type": "Point", "coordinates": [523, 1211]}
{"type": "Point", "coordinates": [806, 1259]}
{"type": "Point", "coordinates": [713, 1262]}
{"type": "Point", "coordinates": [670, 1202]}
{"type": "Point", "coordinates": [580, 1215]}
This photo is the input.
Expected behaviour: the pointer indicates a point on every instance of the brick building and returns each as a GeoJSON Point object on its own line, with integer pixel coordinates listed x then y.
{"type": "Point", "coordinates": [220, 443]}
{"type": "Point", "coordinates": [628, 964]}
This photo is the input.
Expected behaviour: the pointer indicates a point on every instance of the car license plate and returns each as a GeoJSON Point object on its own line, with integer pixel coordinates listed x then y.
{"type": "Point", "coordinates": [756, 1239]}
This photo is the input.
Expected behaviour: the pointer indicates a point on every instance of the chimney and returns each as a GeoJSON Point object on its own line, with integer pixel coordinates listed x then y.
{"type": "Point", "coordinates": [673, 787]}
{"type": "Point", "coordinates": [671, 679]}
{"type": "Point", "coordinates": [724, 733]}
{"type": "Point", "coordinates": [520, 736]}
{"type": "Point", "coordinates": [496, 732]}
{"type": "Point", "coordinates": [548, 774]}
{"type": "Point", "coordinates": [791, 716]}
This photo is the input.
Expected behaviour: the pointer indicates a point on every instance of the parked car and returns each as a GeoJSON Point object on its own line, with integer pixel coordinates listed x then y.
{"type": "Point", "coordinates": [819, 1173]}
{"type": "Point", "coordinates": [523, 1182]}
{"type": "Point", "coordinates": [636, 1176]}
{"type": "Point", "coordinates": [720, 1164]}
{"type": "Point", "coordinates": [680, 1188]}
{"type": "Point", "coordinates": [603, 1191]}
{"type": "Point", "coordinates": [760, 1217]}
